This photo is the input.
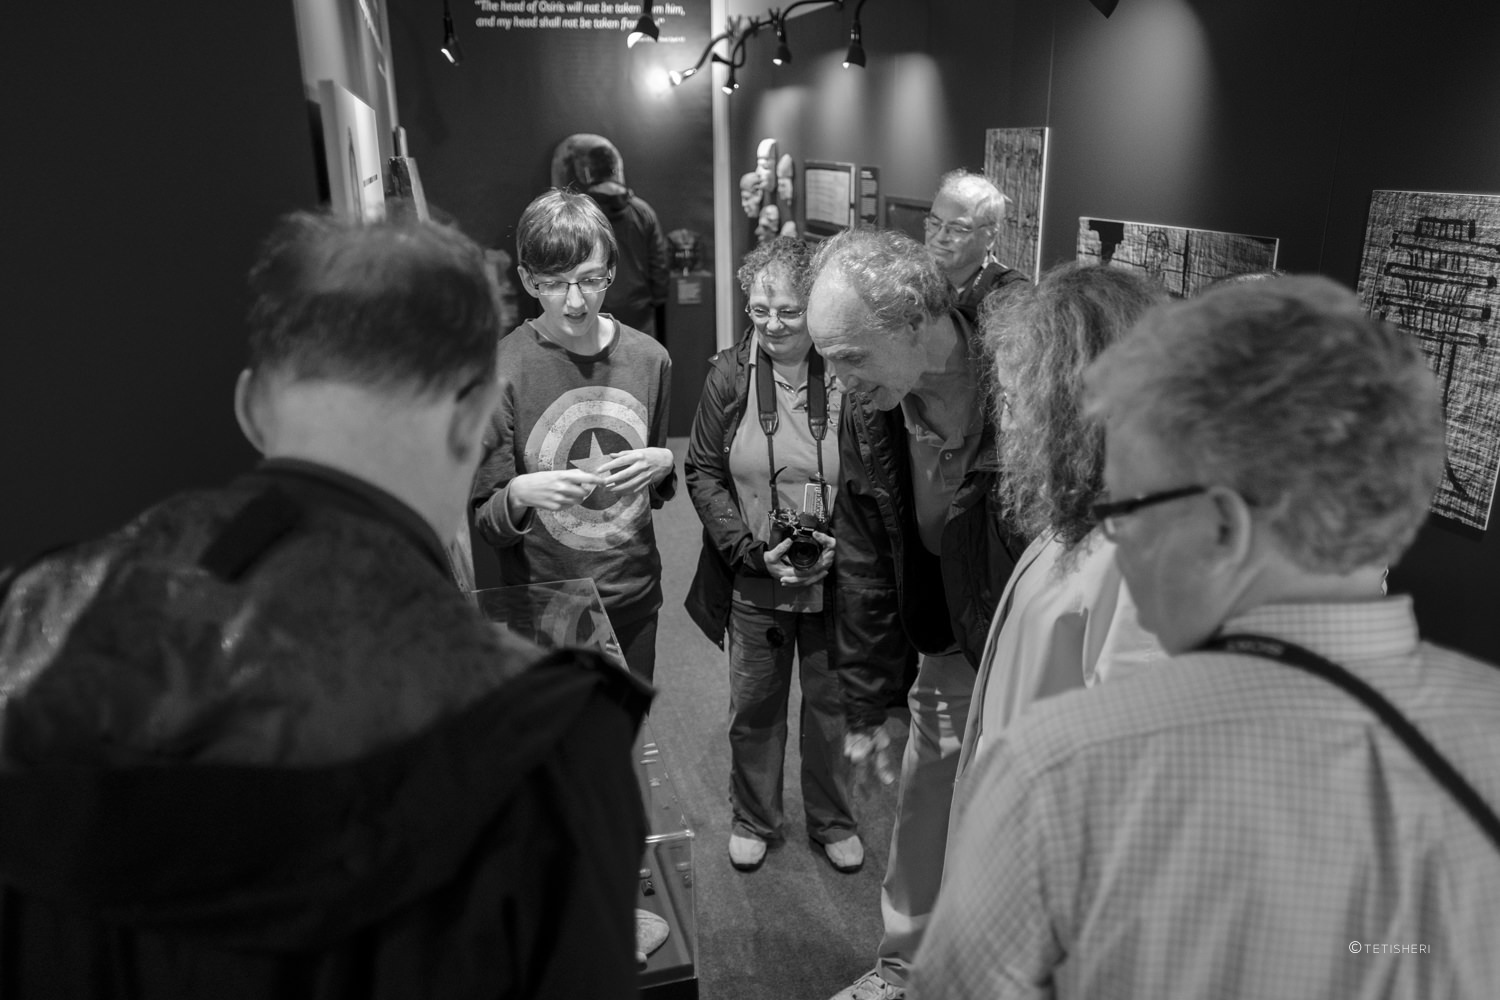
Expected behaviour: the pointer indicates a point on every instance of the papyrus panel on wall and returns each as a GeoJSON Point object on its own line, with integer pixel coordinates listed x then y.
{"type": "Point", "coordinates": [1430, 265]}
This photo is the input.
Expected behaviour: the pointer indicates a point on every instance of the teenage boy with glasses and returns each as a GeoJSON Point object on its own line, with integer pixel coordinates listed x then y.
{"type": "Point", "coordinates": [577, 457]}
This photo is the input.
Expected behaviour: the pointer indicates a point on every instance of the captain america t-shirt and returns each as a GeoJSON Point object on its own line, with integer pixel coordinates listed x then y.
{"type": "Point", "coordinates": [560, 410]}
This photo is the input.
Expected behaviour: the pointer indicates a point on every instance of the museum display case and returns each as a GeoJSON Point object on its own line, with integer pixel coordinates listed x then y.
{"type": "Point", "coordinates": [570, 613]}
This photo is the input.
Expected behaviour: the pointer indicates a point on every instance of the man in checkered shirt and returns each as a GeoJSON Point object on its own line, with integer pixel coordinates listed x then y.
{"type": "Point", "coordinates": [1228, 825]}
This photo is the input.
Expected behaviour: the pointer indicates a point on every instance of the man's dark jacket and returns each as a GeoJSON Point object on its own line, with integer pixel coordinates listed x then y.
{"type": "Point", "coordinates": [992, 277]}
{"type": "Point", "coordinates": [643, 268]}
{"type": "Point", "coordinates": [893, 595]}
{"type": "Point", "coordinates": [257, 745]}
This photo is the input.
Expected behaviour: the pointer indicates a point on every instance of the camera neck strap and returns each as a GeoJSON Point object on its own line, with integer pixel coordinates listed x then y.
{"type": "Point", "coordinates": [817, 411]}
{"type": "Point", "coordinates": [1291, 654]}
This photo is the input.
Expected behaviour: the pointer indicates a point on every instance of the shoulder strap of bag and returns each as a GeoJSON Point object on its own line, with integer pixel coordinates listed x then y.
{"type": "Point", "coordinates": [1429, 756]}
{"type": "Point", "coordinates": [817, 409]}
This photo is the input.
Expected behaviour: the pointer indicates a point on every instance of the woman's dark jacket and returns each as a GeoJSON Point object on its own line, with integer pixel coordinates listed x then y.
{"type": "Point", "coordinates": [729, 547]}
{"type": "Point", "coordinates": [892, 594]}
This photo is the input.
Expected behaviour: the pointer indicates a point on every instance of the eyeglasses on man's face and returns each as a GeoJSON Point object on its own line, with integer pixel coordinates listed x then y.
{"type": "Point", "coordinates": [556, 288]}
{"type": "Point", "coordinates": [762, 314]}
{"type": "Point", "coordinates": [1110, 513]}
{"type": "Point", "coordinates": [956, 230]}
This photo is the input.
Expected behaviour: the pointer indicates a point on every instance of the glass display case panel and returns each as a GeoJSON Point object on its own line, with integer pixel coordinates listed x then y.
{"type": "Point", "coordinates": [570, 613]}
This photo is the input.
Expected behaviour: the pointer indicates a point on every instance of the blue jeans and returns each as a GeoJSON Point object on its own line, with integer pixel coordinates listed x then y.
{"type": "Point", "coordinates": [760, 684]}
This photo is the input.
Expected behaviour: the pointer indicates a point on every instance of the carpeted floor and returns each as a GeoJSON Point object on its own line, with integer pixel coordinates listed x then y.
{"type": "Point", "coordinates": [796, 929]}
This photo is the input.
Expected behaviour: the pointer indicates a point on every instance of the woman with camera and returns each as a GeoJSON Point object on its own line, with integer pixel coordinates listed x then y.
{"type": "Point", "coordinates": [762, 464]}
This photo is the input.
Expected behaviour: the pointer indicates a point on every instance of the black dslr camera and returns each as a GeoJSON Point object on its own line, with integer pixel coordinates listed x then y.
{"type": "Point", "coordinates": [805, 550]}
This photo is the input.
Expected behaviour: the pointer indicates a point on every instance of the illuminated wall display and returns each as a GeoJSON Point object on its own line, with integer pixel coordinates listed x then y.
{"type": "Point", "coordinates": [1431, 264]}
{"type": "Point", "coordinates": [1181, 260]}
{"type": "Point", "coordinates": [1015, 161]}
{"type": "Point", "coordinates": [828, 190]}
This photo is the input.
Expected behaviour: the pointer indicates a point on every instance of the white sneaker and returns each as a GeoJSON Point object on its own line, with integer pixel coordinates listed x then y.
{"type": "Point", "coordinates": [871, 986]}
{"type": "Point", "coordinates": [746, 853]}
{"type": "Point", "coordinates": [847, 855]}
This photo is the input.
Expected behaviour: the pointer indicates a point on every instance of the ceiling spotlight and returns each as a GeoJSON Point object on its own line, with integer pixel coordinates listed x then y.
{"type": "Point", "coordinates": [677, 76]}
{"type": "Point", "coordinates": [856, 56]}
{"type": "Point", "coordinates": [783, 51]}
{"type": "Point", "coordinates": [645, 29]}
{"type": "Point", "coordinates": [451, 50]}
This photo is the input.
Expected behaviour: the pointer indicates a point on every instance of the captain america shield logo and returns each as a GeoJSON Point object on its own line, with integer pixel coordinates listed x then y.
{"type": "Point", "coordinates": [582, 429]}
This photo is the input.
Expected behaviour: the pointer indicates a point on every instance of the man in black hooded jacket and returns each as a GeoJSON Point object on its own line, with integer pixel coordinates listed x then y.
{"type": "Point", "coordinates": [255, 744]}
{"type": "Point", "coordinates": [591, 164]}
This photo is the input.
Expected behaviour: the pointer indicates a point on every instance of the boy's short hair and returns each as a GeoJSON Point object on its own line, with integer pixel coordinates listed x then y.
{"type": "Point", "coordinates": [559, 230]}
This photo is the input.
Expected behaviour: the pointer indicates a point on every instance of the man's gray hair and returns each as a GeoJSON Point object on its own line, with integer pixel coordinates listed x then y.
{"type": "Point", "coordinates": [892, 273]}
{"type": "Point", "coordinates": [984, 199]}
{"type": "Point", "coordinates": [1326, 420]}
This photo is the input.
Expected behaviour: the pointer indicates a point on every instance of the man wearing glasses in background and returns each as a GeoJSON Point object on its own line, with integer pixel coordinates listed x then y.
{"type": "Point", "coordinates": [577, 455]}
{"type": "Point", "coordinates": [966, 213]}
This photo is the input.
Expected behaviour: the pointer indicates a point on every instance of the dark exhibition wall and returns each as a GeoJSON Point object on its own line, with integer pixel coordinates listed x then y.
{"type": "Point", "coordinates": [146, 169]}
{"type": "Point", "coordinates": [483, 132]}
{"type": "Point", "coordinates": [1274, 119]}
{"type": "Point", "coordinates": [148, 158]}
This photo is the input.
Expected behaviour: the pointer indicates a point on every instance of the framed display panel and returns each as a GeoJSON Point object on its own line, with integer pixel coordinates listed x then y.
{"type": "Point", "coordinates": [1431, 265]}
{"type": "Point", "coordinates": [1183, 261]}
{"type": "Point", "coordinates": [351, 144]}
{"type": "Point", "coordinates": [906, 215]}
{"type": "Point", "coordinates": [828, 197]}
{"type": "Point", "coordinates": [1015, 161]}
{"type": "Point", "coordinates": [868, 212]}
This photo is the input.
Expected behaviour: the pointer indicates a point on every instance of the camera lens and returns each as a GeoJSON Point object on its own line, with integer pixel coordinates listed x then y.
{"type": "Point", "coordinates": [804, 553]}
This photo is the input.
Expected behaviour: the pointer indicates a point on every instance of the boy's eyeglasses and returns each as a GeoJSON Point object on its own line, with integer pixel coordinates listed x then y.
{"type": "Point", "coordinates": [763, 315]}
{"type": "Point", "coordinates": [555, 289]}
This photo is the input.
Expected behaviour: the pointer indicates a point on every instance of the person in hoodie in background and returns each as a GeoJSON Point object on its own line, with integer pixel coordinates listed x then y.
{"type": "Point", "coordinates": [256, 744]}
{"type": "Point", "coordinates": [591, 164]}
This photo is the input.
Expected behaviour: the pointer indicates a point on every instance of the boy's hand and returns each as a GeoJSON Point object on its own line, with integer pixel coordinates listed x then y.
{"type": "Point", "coordinates": [632, 471]}
{"type": "Point", "coordinates": [551, 490]}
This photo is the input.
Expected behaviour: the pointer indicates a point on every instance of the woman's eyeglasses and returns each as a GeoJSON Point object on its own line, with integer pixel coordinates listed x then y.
{"type": "Point", "coordinates": [763, 315]}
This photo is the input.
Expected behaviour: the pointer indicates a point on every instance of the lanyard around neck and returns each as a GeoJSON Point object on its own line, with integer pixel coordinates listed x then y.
{"type": "Point", "coordinates": [1247, 644]}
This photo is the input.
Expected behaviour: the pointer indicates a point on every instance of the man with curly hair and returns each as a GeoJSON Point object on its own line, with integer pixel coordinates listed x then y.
{"type": "Point", "coordinates": [922, 548]}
